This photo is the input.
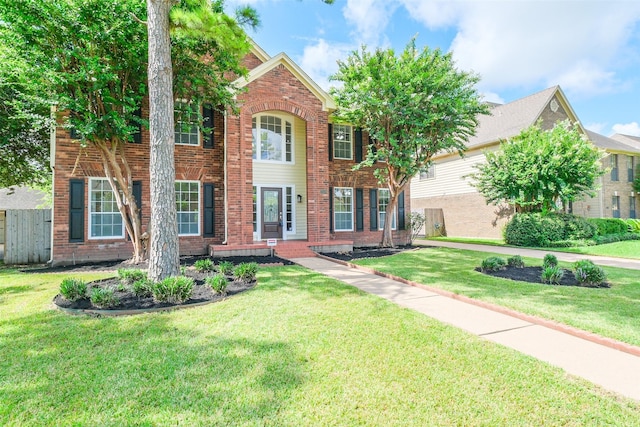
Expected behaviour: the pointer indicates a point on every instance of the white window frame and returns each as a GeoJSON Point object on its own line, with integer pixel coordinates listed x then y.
{"type": "Point", "coordinates": [198, 212]}
{"type": "Point", "coordinates": [335, 211]}
{"type": "Point", "coordinates": [287, 146]}
{"type": "Point", "coordinates": [342, 134]}
{"type": "Point", "coordinates": [178, 129]}
{"type": "Point", "coordinates": [394, 220]}
{"type": "Point", "coordinates": [428, 173]}
{"type": "Point", "coordinates": [106, 187]}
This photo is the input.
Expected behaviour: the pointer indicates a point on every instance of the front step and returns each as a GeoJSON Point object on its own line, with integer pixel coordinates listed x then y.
{"type": "Point", "coordinates": [295, 252]}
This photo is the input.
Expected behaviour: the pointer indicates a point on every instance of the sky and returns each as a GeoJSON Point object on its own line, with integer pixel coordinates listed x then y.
{"type": "Point", "coordinates": [590, 48]}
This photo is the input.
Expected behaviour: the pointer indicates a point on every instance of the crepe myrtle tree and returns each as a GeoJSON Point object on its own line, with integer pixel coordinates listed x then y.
{"type": "Point", "coordinates": [413, 105]}
{"type": "Point", "coordinates": [540, 170]}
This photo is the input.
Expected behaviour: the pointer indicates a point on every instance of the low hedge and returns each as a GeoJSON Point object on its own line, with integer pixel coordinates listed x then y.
{"type": "Point", "coordinates": [536, 229]}
{"type": "Point", "coordinates": [606, 226]}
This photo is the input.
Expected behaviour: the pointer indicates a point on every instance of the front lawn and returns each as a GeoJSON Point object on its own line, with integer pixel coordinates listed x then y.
{"type": "Point", "coordinates": [611, 312]}
{"type": "Point", "coordinates": [299, 349]}
{"type": "Point", "coordinates": [626, 249]}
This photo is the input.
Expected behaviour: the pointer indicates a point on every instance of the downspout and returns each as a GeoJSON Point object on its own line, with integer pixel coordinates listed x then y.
{"type": "Point", "coordinates": [226, 187]}
{"type": "Point", "coordinates": [52, 165]}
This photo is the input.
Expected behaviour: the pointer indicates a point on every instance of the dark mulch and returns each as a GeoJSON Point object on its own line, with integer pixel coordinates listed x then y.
{"type": "Point", "coordinates": [533, 274]}
{"type": "Point", "coordinates": [373, 252]}
{"type": "Point", "coordinates": [186, 261]}
{"type": "Point", "coordinates": [129, 301]}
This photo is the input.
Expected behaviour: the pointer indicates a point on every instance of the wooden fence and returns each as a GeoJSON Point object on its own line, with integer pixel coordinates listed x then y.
{"type": "Point", "coordinates": [434, 223]}
{"type": "Point", "coordinates": [27, 236]}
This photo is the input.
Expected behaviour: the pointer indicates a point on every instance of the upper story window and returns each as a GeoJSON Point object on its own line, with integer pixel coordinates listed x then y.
{"type": "Point", "coordinates": [272, 139]}
{"type": "Point", "coordinates": [186, 130]}
{"type": "Point", "coordinates": [105, 220]}
{"type": "Point", "coordinates": [428, 173]}
{"type": "Point", "coordinates": [630, 168]}
{"type": "Point", "coordinates": [342, 145]}
{"type": "Point", "coordinates": [614, 167]}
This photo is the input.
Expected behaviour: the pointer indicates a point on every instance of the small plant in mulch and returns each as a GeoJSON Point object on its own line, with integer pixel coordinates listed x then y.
{"type": "Point", "coordinates": [549, 260]}
{"type": "Point", "coordinates": [493, 263]}
{"type": "Point", "coordinates": [246, 271]}
{"type": "Point", "coordinates": [551, 274]}
{"type": "Point", "coordinates": [515, 261]}
{"type": "Point", "coordinates": [103, 297]}
{"type": "Point", "coordinates": [204, 265]}
{"type": "Point", "coordinates": [589, 274]}
{"type": "Point", "coordinates": [73, 289]}
{"type": "Point", "coordinates": [218, 283]}
{"type": "Point", "coordinates": [174, 290]}
{"type": "Point", "coordinates": [225, 267]}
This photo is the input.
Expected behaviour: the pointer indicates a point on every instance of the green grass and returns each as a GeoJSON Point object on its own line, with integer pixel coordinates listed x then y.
{"type": "Point", "coordinates": [470, 240]}
{"type": "Point", "coordinates": [611, 312]}
{"type": "Point", "coordinates": [299, 349]}
{"type": "Point", "coordinates": [626, 249]}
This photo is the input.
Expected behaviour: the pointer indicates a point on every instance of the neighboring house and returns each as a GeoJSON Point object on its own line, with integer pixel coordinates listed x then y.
{"type": "Point", "coordinates": [446, 188]}
{"type": "Point", "coordinates": [280, 169]}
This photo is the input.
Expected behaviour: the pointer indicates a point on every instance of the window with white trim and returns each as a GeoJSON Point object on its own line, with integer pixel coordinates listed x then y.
{"type": "Point", "coordinates": [255, 209]}
{"type": "Point", "coordinates": [343, 209]}
{"type": "Point", "coordinates": [272, 138]}
{"type": "Point", "coordinates": [615, 206]}
{"type": "Point", "coordinates": [288, 208]}
{"type": "Point", "coordinates": [342, 142]}
{"type": "Point", "coordinates": [428, 172]}
{"type": "Point", "coordinates": [186, 131]}
{"type": "Point", "coordinates": [188, 207]}
{"type": "Point", "coordinates": [105, 220]}
{"type": "Point", "coordinates": [384, 197]}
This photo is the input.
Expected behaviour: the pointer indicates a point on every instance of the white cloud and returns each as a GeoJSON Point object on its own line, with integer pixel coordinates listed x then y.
{"type": "Point", "coordinates": [632, 128]}
{"type": "Point", "coordinates": [319, 60]}
{"type": "Point", "coordinates": [492, 97]}
{"type": "Point", "coordinates": [370, 18]}
{"type": "Point", "coordinates": [596, 127]}
{"type": "Point", "coordinates": [531, 43]}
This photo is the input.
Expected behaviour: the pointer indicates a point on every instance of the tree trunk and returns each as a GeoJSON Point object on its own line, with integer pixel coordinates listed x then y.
{"type": "Point", "coordinates": [387, 232]}
{"type": "Point", "coordinates": [164, 259]}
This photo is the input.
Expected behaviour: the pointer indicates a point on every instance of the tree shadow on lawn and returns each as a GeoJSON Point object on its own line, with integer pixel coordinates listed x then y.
{"type": "Point", "coordinates": [148, 369]}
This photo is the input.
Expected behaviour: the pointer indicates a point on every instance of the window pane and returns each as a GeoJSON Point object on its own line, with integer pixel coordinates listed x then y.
{"type": "Point", "coordinates": [104, 216]}
{"type": "Point", "coordinates": [186, 123]}
{"type": "Point", "coordinates": [342, 142]}
{"type": "Point", "coordinates": [343, 208]}
{"type": "Point", "coordinates": [188, 207]}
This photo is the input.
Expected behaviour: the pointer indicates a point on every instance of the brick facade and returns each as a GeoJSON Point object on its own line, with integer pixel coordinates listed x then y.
{"type": "Point", "coordinates": [277, 90]}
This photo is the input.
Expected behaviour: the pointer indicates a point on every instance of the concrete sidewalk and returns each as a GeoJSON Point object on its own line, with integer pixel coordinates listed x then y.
{"type": "Point", "coordinates": [533, 253]}
{"type": "Point", "coordinates": [612, 369]}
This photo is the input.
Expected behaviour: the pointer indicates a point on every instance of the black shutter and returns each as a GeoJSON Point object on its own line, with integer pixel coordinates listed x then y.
{"type": "Point", "coordinates": [358, 148]}
{"type": "Point", "coordinates": [137, 135]}
{"type": "Point", "coordinates": [359, 209]}
{"type": "Point", "coordinates": [330, 142]}
{"type": "Point", "coordinates": [137, 195]}
{"type": "Point", "coordinates": [209, 211]}
{"type": "Point", "coordinates": [208, 125]}
{"type": "Point", "coordinates": [74, 134]}
{"type": "Point", "coordinates": [76, 210]}
{"type": "Point", "coordinates": [373, 209]}
{"type": "Point", "coordinates": [401, 224]}
{"type": "Point", "coordinates": [330, 208]}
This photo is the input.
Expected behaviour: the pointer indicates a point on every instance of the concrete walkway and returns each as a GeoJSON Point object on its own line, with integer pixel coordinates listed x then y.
{"type": "Point", "coordinates": [614, 370]}
{"type": "Point", "coordinates": [534, 253]}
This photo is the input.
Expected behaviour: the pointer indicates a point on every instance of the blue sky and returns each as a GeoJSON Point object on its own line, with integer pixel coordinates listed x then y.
{"type": "Point", "coordinates": [591, 48]}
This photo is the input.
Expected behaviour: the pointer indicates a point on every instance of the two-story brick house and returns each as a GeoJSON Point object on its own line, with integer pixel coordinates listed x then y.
{"type": "Point", "coordinates": [279, 169]}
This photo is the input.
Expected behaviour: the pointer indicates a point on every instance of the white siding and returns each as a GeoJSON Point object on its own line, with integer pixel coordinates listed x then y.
{"type": "Point", "coordinates": [294, 175]}
{"type": "Point", "coordinates": [449, 178]}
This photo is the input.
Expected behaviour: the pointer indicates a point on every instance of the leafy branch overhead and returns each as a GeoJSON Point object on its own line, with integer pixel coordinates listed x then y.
{"type": "Point", "coordinates": [413, 105]}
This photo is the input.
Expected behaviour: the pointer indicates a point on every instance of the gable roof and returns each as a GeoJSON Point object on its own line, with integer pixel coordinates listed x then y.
{"type": "Point", "coordinates": [258, 51]}
{"type": "Point", "coordinates": [21, 198]}
{"type": "Point", "coordinates": [610, 144]}
{"type": "Point", "coordinates": [508, 120]}
{"type": "Point", "coordinates": [631, 140]}
{"type": "Point", "coordinates": [328, 104]}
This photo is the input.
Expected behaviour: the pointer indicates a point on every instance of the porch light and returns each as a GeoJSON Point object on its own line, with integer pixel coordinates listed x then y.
{"type": "Point", "coordinates": [299, 198]}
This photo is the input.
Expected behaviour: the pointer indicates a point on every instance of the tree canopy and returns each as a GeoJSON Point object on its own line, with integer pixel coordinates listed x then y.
{"type": "Point", "coordinates": [539, 170]}
{"type": "Point", "coordinates": [413, 105]}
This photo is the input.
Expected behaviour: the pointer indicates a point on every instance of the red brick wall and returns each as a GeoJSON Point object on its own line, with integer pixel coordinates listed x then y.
{"type": "Point", "coordinates": [73, 162]}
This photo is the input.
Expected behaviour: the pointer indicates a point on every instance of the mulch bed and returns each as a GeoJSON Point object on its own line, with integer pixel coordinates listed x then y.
{"type": "Point", "coordinates": [373, 252]}
{"type": "Point", "coordinates": [129, 301]}
{"type": "Point", "coordinates": [533, 274]}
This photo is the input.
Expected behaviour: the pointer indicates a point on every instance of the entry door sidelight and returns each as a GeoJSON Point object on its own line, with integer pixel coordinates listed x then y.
{"type": "Point", "coordinates": [271, 213]}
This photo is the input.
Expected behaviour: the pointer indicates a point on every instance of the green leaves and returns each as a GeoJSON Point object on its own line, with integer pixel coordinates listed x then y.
{"type": "Point", "coordinates": [539, 169]}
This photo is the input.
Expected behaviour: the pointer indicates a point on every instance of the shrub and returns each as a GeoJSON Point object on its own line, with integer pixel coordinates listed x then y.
{"type": "Point", "coordinates": [589, 274]}
{"type": "Point", "coordinates": [103, 297]}
{"type": "Point", "coordinates": [73, 289]}
{"type": "Point", "coordinates": [218, 283]}
{"type": "Point", "coordinates": [246, 271]}
{"type": "Point", "coordinates": [415, 222]}
{"type": "Point", "coordinates": [577, 227]}
{"type": "Point", "coordinates": [551, 274]}
{"type": "Point", "coordinates": [174, 290]}
{"type": "Point", "coordinates": [515, 261]}
{"type": "Point", "coordinates": [143, 288]}
{"type": "Point", "coordinates": [534, 229]}
{"type": "Point", "coordinates": [609, 226]}
{"type": "Point", "coordinates": [225, 267]}
{"type": "Point", "coordinates": [549, 260]}
{"type": "Point", "coordinates": [633, 225]}
{"type": "Point", "coordinates": [129, 275]}
{"type": "Point", "coordinates": [493, 263]}
{"type": "Point", "coordinates": [611, 238]}
{"type": "Point", "coordinates": [204, 265]}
